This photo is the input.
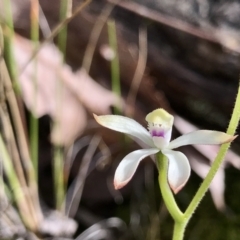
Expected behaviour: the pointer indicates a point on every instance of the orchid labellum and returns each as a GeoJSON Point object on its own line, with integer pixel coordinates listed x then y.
{"type": "Point", "coordinates": [158, 137]}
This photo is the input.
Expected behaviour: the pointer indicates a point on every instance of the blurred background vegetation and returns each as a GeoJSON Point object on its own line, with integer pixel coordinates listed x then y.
{"type": "Point", "coordinates": [61, 61]}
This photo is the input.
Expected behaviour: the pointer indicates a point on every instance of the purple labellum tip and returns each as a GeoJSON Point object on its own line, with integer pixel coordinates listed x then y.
{"type": "Point", "coordinates": [155, 133]}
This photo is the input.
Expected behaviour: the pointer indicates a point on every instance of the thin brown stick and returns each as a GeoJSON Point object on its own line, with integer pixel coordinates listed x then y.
{"type": "Point", "coordinates": [97, 29]}
{"type": "Point", "coordinates": [141, 65]}
{"type": "Point", "coordinates": [30, 193]}
{"type": "Point", "coordinates": [56, 30]}
{"type": "Point", "coordinates": [21, 139]}
{"type": "Point", "coordinates": [11, 144]}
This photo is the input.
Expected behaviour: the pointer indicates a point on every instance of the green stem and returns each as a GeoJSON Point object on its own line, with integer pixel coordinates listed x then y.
{"type": "Point", "coordinates": [8, 44]}
{"type": "Point", "coordinates": [31, 201]}
{"type": "Point", "coordinates": [115, 72]}
{"type": "Point", "coordinates": [58, 165]}
{"type": "Point", "coordinates": [62, 36]}
{"type": "Point", "coordinates": [217, 162]}
{"type": "Point", "coordinates": [178, 232]}
{"type": "Point", "coordinates": [18, 193]}
{"type": "Point", "coordinates": [59, 177]}
{"type": "Point", "coordinates": [162, 163]}
{"type": "Point", "coordinates": [34, 124]}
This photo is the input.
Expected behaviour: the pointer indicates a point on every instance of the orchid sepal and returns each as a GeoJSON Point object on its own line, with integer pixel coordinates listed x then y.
{"type": "Point", "coordinates": [205, 137]}
{"type": "Point", "coordinates": [128, 166]}
{"type": "Point", "coordinates": [125, 125]}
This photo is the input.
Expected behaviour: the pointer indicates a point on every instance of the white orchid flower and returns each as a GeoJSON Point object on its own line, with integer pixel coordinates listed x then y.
{"type": "Point", "coordinates": [158, 137]}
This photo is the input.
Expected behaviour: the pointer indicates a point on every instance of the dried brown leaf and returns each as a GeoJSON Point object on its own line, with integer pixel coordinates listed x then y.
{"type": "Point", "coordinates": [50, 87]}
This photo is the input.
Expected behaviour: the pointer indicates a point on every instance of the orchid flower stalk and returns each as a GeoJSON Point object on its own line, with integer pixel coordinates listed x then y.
{"type": "Point", "coordinates": [173, 166]}
{"type": "Point", "coordinates": [157, 138]}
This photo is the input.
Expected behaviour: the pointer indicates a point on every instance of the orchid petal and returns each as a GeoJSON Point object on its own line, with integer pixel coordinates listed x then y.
{"type": "Point", "coordinates": [178, 170]}
{"type": "Point", "coordinates": [125, 125]}
{"type": "Point", "coordinates": [128, 166]}
{"type": "Point", "coordinates": [201, 137]}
